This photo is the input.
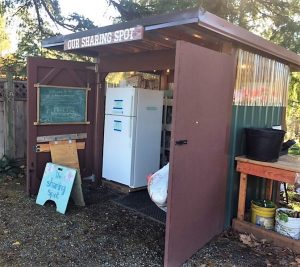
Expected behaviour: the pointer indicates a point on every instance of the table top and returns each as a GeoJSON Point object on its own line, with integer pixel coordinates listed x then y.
{"type": "Point", "coordinates": [286, 162]}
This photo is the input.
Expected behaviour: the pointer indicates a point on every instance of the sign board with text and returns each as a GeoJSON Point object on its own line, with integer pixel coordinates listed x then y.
{"type": "Point", "coordinates": [56, 185]}
{"type": "Point", "coordinates": [105, 38]}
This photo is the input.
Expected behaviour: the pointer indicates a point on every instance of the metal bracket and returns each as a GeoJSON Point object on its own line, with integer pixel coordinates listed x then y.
{"type": "Point", "coordinates": [181, 142]}
{"type": "Point", "coordinates": [36, 148]}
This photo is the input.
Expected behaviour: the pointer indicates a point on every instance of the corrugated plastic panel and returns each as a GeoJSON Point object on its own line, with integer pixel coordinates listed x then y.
{"type": "Point", "coordinates": [260, 81]}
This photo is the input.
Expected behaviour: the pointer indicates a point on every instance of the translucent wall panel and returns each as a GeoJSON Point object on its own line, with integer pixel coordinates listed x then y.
{"type": "Point", "coordinates": [260, 81]}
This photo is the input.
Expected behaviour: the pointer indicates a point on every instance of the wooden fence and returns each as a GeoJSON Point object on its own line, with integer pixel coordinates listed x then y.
{"type": "Point", "coordinates": [13, 97]}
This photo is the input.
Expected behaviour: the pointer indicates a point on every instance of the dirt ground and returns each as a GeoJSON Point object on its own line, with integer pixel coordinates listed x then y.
{"type": "Point", "coordinates": [106, 234]}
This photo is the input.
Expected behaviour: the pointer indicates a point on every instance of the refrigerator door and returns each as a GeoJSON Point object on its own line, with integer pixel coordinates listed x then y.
{"type": "Point", "coordinates": [148, 135]}
{"type": "Point", "coordinates": [121, 101]}
{"type": "Point", "coordinates": [118, 148]}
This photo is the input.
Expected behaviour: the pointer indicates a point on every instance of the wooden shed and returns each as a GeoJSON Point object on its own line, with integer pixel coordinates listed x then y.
{"type": "Point", "coordinates": [225, 78]}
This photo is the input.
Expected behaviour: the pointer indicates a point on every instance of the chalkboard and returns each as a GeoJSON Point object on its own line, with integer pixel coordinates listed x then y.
{"type": "Point", "coordinates": [61, 105]}
{"type": "Point", "coordinates": [56, 185]}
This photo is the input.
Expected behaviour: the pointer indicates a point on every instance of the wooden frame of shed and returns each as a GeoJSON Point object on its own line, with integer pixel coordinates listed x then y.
{"type": "Point", "coordinates": [202, 49]}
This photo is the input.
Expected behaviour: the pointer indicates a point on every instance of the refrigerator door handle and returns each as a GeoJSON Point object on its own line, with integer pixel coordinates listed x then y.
{"type": "Point", "coordinates": [130, 128]}
{"type": "Point", "coordinates": [131, 106]}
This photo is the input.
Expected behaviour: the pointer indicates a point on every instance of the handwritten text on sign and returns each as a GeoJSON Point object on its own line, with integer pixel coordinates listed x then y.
{"type": "Point", "coordinates": [56, 185]}
{"type": "Point", "coordinates": [125, 35]}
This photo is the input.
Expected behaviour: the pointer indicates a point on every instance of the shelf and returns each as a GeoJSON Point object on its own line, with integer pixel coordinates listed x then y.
{"type": "Point", "coordinates": [262, 233]}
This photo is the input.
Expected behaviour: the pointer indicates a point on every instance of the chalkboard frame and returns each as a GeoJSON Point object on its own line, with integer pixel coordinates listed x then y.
{"type": "Point", "coordinates": [40, 87]}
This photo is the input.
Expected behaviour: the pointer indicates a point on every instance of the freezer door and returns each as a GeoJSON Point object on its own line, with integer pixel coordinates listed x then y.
{"type": "Point", "coordinates": [118, 148]}
{"type": "Point", "coordinates": [121, 101]}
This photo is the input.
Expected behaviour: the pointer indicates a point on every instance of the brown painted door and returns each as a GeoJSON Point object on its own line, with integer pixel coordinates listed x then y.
{"type": "Point", "coordinates": [70, 74]}
{"type": "Point", "coordinates": [201, 116]}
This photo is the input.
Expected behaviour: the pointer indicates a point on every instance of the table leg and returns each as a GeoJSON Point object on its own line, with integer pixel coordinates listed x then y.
{"type": "Point", "coordinates": [242, 196]}
{"type": "Point", "coordinates": [269, 189]}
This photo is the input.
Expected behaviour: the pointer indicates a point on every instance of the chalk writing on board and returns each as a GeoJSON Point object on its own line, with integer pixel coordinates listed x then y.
{"type": "Point", "coordinates": [62, 105]}
{"type": "Point", "coordinates": [56, 185]}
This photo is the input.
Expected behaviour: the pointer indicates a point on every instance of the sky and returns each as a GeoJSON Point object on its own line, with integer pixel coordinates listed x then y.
{"type": "Point", "coordinates": [97, 11]}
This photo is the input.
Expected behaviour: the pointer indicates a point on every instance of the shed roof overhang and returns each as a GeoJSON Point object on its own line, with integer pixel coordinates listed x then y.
{"type": "Point", "coordinates": [162, 31]}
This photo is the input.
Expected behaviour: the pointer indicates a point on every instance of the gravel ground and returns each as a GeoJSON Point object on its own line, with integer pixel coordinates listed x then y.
{"type": "Point", "coordinates": [105, 234]}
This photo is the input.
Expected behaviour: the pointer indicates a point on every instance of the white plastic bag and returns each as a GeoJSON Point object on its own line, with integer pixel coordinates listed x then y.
{"type": "Point", "coordinates": [158, 187]}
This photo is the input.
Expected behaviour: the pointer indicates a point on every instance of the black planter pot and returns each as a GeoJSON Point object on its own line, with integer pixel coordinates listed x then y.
{"type": "Point", "coordinates": [264, 144]}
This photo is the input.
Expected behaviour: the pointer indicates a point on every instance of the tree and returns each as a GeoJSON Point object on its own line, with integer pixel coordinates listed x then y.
{"type": "Point", "coordinates": [47, 11]}
{"type": "Point", "coordinates": [276, 20]}
{"type": "Point", "coordinates": [4, 38]}
{"type": "Point", "coordinates": [38, 19]}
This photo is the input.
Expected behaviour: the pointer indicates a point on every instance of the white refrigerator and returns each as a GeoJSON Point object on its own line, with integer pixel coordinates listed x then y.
{"type": "Point", "coordinates": [132, 135]}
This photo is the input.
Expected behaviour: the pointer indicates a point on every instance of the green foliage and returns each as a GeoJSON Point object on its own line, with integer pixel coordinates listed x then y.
{"type": "Point", "coordinates": [38, 19]}
{"type": "Point", "coordinates": [295, 150]}
{"type": "Point", "coordinates": [293, 109]}
{"type": "Point", "coordinates": [4, 39]}
{"type": "Point", "coordinates": [277, 20]}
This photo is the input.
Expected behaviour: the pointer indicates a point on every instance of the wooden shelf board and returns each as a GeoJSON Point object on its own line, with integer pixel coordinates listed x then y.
{"type": "Point", "coordinates": [262, 233]}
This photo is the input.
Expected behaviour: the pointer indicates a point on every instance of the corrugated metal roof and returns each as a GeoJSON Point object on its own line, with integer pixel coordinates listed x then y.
{"type": "Point", "coordinates": [162, 32]}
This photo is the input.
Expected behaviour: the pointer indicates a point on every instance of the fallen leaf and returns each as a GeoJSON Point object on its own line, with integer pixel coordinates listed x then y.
{"type": "Point", "coordinates": [297, 260]}
{"type": "Point", "coordinates": [248, 240]}
{"type": "Point", "coordinates": [263, 241]}
{"type": "Point", "coordinates": [17, 243]}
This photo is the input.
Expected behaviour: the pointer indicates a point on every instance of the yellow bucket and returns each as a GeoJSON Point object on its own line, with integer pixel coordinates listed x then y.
{"type": "Point", "coordinates": [263, 216]}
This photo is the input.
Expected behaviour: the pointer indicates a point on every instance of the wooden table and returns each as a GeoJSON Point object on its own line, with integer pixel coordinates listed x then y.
{"type": "Point", "coordinates": [286, 169]}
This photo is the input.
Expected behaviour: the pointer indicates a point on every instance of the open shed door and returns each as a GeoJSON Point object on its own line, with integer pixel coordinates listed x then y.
{"type": "Point", "coordinates": [63, 73]}
{"type": "Point", "coordinates": [198, 166]}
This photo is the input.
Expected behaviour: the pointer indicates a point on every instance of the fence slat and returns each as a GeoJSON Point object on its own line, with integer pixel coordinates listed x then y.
{"type": "Point", "coordinates": [13, 96]}
{"type": "Point", "coordinates": [2, 129]}
{"type": "Point", "coordinates": [20, 129]}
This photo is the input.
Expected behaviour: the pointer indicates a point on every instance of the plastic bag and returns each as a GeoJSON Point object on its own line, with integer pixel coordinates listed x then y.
{"type": "Point", "coordinates": [158, 187]}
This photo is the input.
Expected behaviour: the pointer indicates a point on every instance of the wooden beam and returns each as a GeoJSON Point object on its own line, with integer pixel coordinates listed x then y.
{"type": "Point", "coordinates": [242, 196]}
{"type": "Point", "coordinates": [262, 233]}
{"type": "Point", "coordinates": [46, 147]}
{"type": "Point", "coordinates": [62, 137]}
{"type": "Point", "coordinates": [269, 189]}
{"type": "Point", "coordinates": [9, 117]}
{"type": "Point", "coordinates": [267, 172]}
{"type": "Point", "coordinates": [154, 60]}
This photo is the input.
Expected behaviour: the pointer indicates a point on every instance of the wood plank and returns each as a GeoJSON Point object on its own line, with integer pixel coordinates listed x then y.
{"type": "Point", "coordinates": [20, 129]}
{"type": "Point", "coordinates": [62, 137]}
{"type": "Point", "coordinates": [65, 153]}
{"type": "Point", "coordinates": [242, 196]}
{"type": "Point", "coordinates": [9, 117]}
{"type": "Point", "coordinates": [267, 172]}
{"type": "Point", "coordinates": [269, 189]}
{"type": "Point", "coordinates": [286, 162]}
{"type": "Point", "coordinates": [262, 233]}
{"type": "Point", "coordinates": [2, 130]}
{"type": "Point", "coordinates": [121, 188]}
{"type": "Point", "coordinates": [46, 147]}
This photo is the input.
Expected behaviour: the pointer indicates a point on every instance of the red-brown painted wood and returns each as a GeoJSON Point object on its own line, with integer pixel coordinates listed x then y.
{"type": "Point", "coordinates": [204, 82]}
{"type": "Point", "coordinates": [61, 73]}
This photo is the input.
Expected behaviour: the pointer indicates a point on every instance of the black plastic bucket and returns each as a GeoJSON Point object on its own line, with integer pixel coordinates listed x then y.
{"type": "Point", "coordinates": [264, 144]}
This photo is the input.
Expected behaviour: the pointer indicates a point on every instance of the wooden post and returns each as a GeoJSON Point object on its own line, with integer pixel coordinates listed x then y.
{"type": "Point", "coordinates": [242, 196]}
{"type": "Point", "coordinates": [269, 189]}
{"type": "Point", "coordinates": [9, 115]}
